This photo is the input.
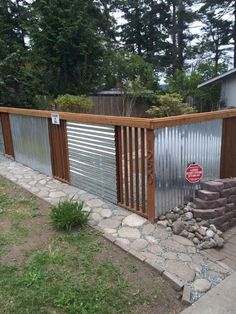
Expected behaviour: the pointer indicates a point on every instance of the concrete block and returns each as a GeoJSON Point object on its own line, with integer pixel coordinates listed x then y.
{"type": "Point", "coordinates": [186, 298]}
{"type": "Point", "coordinates": [176, 283]}
{"type": "Point", "coordinates": [208, 195]}
{"type": "Point", "coordinates": [209, 204]}
{"type": "Point", "coordinates": [213, 186]}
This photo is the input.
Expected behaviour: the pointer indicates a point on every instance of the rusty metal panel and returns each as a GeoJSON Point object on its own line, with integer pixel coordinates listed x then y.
{"type": "Point", "coordinates": [92, 158]}
{"type": "Point", "coordinates": [2, 149]}
{"type": "Point", "coordinates": [175, 148]}
{"type": "Point", "coordinates": [31, 142]}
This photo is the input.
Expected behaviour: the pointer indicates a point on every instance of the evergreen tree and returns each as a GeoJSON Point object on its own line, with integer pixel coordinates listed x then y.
{"type": "Point", "coordinates": [69, 39]}
{"type": "Point", "coordinates": [224, 10]}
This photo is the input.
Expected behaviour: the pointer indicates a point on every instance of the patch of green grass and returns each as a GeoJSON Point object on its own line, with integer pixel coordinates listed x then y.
{"type": "Point", "coordinates": [15, 235]}
{"type": "Point", "coordinates": [68, 277]}
{"type": "Point", "coordinates": [18, 208]}
{"type": "Point", "coordinates": [133, 268]}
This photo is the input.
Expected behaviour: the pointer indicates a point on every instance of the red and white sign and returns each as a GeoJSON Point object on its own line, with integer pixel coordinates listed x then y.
{"type": "Point", "coordinates": [194, 173]}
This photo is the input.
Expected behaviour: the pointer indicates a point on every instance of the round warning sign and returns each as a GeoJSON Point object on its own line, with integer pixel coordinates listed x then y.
{"type": "Point", "coordinates": [194, 173]}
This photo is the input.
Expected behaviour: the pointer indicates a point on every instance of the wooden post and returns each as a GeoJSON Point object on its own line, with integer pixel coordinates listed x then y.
{"type": "Point", "coordinates": [150, 176]}
{"type": "Point", "coordinates": [7, 136]}
{"type": "Point", "coordinates": [228, 149]}
{"type": "Point", "coordinates": [119, 165]}
{"type": "Point", "coordinates": [59, 150]}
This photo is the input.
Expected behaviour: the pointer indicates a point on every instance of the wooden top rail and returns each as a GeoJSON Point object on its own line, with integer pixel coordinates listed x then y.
{"type": "Point", "coordinates": [81, 117]}
{"type": "Point", "coordinates": [126, 121]}
{"type": "Point", "coordinates": [191, 118]}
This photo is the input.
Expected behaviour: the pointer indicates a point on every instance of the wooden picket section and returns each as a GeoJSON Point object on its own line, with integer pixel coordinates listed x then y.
{"type": "Point", "coordinates": [135, 170]}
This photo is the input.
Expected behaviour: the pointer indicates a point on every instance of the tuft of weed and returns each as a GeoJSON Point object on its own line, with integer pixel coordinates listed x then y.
{"type": "Point", "coordinates": [68, 214]}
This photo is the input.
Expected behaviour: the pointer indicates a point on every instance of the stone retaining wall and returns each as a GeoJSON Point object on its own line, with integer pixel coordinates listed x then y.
{"type": "Point", "coordinates": [216, 202]}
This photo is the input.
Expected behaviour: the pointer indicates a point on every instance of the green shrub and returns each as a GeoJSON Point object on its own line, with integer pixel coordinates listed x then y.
{"type": "Point", "coordinates": [68, 214]}
{"type": "Point", "coordinates": [72, 103]}
{"type": "Point", "coordinates": [170, 105]}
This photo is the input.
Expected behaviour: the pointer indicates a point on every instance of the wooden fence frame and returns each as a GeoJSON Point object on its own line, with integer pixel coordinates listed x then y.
{"type": "Point", "coordinates": [228, 140]}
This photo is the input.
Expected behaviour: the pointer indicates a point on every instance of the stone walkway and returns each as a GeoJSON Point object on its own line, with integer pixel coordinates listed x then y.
{"type": "Point", "coordinates": [174, 257]}
{"type": "Point", "coordinates": [227, 254]}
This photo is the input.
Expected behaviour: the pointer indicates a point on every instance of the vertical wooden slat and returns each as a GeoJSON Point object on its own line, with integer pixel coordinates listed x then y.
{"type": "Point", "coordinates": [150, 176]}
{"type": "Point", "coordinates": [136, 168]}
{"type": "Point", "coordinates": [59, 150]}
{"type": "Point", "coordinates": [7, 136]}
{"type": "Point", "coordinates": [228, 149]}
{"type": "Point", "coordinates": [126, 167]}
{"type": "Point", "coordinates": [119, 165]}
{"type": "Point", "coordinates": [66, 152]}
{"type": "Point", "coordinates": [143, 170]}
{"type": "Point", "coordinates": [131, 172]}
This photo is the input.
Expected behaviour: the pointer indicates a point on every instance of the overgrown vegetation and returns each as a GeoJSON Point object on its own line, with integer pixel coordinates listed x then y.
{"type": "Point", "coordinates": [68, 214]}
{"type": "Point", "coordinates": [72, 103]}
{"type": "Point", "coordinates": [51, 48]}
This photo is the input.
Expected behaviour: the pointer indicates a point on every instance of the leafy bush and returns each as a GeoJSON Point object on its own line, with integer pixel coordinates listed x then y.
{"type": "Point", "coordinates": [68, 214]}
{"type": "Point", "coordinates": [73, 103]}
{"type": "Point", "coordinates": [170, 105]}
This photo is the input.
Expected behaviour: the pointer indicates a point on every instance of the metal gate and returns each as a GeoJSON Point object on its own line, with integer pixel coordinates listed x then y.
{"type": "Point", "coordinates": [92, 158]}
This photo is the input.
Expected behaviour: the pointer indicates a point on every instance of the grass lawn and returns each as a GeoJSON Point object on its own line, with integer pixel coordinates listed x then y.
{"type": "Point", "coordinates": [44, 271]}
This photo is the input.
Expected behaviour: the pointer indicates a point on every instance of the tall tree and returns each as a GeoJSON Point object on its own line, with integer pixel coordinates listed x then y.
{"type": "Point", "coordinates": [181, 18]}
{"type": "Point", "coordinates": [15, 80]}
{"type": "Point", "coordinates": [224, 10]}
{"type": "Point", "coordinates": [69, 40]}
{"type": "Point", "coordinates": [216, 37]}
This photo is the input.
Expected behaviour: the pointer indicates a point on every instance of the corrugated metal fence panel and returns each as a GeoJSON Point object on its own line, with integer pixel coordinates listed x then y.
{"type": "Point", "coordinates": [92, 158]}
{"type": "Point", "coordinates": [31, 142]}
{"type": "Point", "coordinates": [175, 148]}
{"type": "Point", "coordinates": [2, 149]}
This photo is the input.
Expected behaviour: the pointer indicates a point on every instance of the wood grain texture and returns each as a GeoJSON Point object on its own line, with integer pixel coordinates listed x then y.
{"type": "Point", "coordinates": [149, 123]}
{"type": "Point", "coordinates": [7, 135]}
{"type": "Point", "coordinates": [150, 176]}
{"type": "Point", "coordinates": [59, 151]}
{"type": "Point", "coordinates": [81, 117]}
{"type": "Point", "coordinates": [228, 149]}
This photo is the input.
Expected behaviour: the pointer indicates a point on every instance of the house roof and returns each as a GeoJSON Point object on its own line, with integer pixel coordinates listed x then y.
{"type": "Point", "coordinates": [217, 78]}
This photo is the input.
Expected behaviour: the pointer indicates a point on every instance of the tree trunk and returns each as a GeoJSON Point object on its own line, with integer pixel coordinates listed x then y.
{"type": "Point", "coordinates": [180, 33]}
{"type": "Point", "coordinates": [234, 35]}
{"type": "Point", "coordinates": [173, 35]}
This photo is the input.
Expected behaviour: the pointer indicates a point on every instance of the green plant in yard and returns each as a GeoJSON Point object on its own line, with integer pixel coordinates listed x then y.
{"type": "Point", "coordinates": [68, 214]}
{"type": "Point", "coordinates": [72, 103]}
{"type": "Point", "coordinates": [170, 105]}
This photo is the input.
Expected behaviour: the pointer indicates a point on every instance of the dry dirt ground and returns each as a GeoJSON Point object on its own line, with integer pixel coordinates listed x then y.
{"type": "Point", "coordinates": [44, 271]}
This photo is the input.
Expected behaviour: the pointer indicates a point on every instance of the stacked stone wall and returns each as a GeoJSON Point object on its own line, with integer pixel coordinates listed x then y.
{"type": "Point", "coordinates": [216, 202]}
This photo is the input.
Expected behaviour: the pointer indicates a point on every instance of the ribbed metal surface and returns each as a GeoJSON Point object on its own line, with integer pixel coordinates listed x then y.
{"type": "Point", "coordinates": [175, 148]}
{"type": "Point", "coordinates": [31, 142]}
{"type": "Point", "coordinates": [92, 159]}
{"type": "Point", "coordinates": [2, 149]}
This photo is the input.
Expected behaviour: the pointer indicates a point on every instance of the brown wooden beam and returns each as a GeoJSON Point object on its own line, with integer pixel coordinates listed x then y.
{"type": "Point", "coordinates": [151, 213]}
{"type": "Point", "coordinates": [59, 150]}
{"type": "Point", "coordinates": [7, 136]}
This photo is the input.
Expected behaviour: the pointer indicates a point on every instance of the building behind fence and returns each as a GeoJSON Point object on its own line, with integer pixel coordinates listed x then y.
{"type": "Point", "coordinates": [136, 163]}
